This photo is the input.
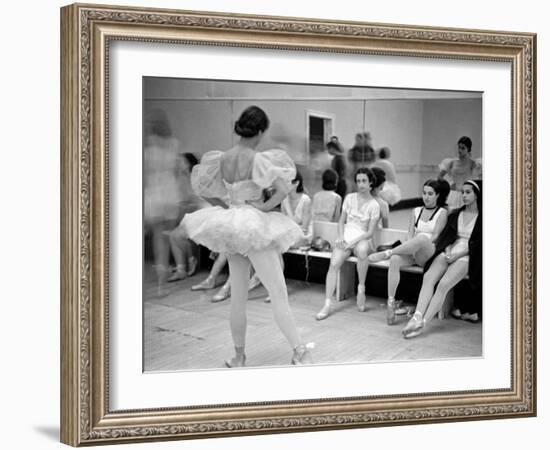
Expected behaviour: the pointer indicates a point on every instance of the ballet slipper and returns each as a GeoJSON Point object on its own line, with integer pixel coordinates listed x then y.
{"type": "Point", "coordinates": [379, 256]}
{"type": "Point", "coordinates": [456, 314]}
{"type": "Point", "coordinates": [414, 327]}
{"type": "Point", "coordinates": [390, 311]}
{"type": "Point", "coordinates": [301, 356]}
{"type": "Point", "coordinates": [179, 274]}
{"type": "Point", "coordinates": [472, 318]}
{"type": "Point", "coordinates": [239, 360]}
{"type": "Point", "coordinates": [361, 301]}
{"type": "Point", "coordinates": [223, 293]}
{"type": "Point", "coordinates": [325, 311]}
{"type": "Point", "coordinates": [209, 283]}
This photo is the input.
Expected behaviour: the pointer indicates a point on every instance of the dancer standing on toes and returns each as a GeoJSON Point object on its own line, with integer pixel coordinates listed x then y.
{"type": "Point", "coordinates": [248, 231]}
{"type": "Point", "coordinates": [425, 225]}
{"type": "Point", "coordinates": [457, 254]}
{"type": "Point", "coordinates": [359, 219]}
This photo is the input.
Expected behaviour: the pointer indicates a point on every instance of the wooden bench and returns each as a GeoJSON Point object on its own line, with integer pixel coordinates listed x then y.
{"type": "Point", "coordinates": [345, 281]}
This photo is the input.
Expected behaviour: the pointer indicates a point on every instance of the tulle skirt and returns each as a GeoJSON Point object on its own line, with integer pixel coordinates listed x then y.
{"type": "Point", "coordinates": [391, 193]}
{"type": "Point", "coordinates": [241, 229]}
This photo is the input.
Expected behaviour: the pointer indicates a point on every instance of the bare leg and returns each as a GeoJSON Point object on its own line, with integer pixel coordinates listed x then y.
{"type": "Point", "coordinates": [455, 272]}
{"type": "Point", "coordinates": [411, 246]}
{"type": "Point", "coordinates": [239, 268]}
{"type": "Point", "coordinates": [178, 245]}
{"type": "Point", "coordinates": [161, 246]}
{"type": "Point", "coordinates": [394, 272]}
{"type": "Point", "coordinates": [361, 250]}
{"type": "Point", "coordinates": [268, 268]}
{"type": "Point", "coordinates": [210, 282]}
{"type": "Point", "coordinates": [431, 277]}
{"type": "Point", "coordinates": [394, 276]}
{"type": "Point", "coordinates": [161, 250]}
{"type": "Point", "coordinates": [417, 245]}
{"type": "Point", "coordinates": [336, 261]}
{"type": "Point", "coordinates": [218, 265]}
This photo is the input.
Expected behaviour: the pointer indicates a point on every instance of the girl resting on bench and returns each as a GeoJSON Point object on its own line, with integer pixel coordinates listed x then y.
{"type": "Point", "coordinates": [425, 225]}
{"type": "Point", "coordinates": [357, 224]}
{"type": "Point", "coordinates": [457, 254]}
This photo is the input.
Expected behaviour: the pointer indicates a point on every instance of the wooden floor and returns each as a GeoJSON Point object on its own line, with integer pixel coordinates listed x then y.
{"type": "Point", "coordinates": [183, 330]}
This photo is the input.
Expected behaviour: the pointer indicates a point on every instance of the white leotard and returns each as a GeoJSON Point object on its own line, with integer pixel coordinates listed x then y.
{"type": "Point", "coordinates": [464, 233]}
{"type": "Point", "coordinates": [423, 227]}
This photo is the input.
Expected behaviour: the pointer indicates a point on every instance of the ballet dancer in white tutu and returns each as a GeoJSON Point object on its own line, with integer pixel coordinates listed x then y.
{"type": "Point", "coordinates": [247, 229]}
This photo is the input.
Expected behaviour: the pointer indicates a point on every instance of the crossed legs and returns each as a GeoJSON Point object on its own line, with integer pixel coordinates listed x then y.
{"type": "Point", "coordinates": [446, 276]}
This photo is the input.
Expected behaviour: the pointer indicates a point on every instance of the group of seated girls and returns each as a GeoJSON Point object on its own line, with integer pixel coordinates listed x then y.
{"type": "Point", "coordinates": [447, 244]}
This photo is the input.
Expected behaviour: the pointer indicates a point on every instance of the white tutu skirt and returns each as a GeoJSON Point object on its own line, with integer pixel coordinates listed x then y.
{"type": "Point", "coordinates": [241, 229]}
{"type": "Point", "coordinates": [391, 193]}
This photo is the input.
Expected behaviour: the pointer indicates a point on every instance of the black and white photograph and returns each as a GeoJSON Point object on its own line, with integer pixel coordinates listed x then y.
{"type": "Point", "coordinates": [306, 224]}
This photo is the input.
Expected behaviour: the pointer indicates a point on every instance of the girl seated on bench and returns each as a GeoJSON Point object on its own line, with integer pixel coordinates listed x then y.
{"type": "Point", "coordinates": [358, 221]}
{"type": "Point", "coordinates": [327, 203]}
{"type": "Point", "coordinates": [457, 254]}
{"type": "Point", "coordinates": [425, 225]}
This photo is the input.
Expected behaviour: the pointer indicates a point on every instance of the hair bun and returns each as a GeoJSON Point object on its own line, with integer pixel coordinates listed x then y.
{"type": "Point", "coordinates": [244, 131]}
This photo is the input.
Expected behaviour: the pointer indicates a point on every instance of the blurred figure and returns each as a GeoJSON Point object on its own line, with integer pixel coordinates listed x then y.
{"type": "Point", "coordinates": [361, 154]}
{"type": "Point", "coordinates": [182, 248]}
{"type": "Point", "coordinates": [391, 192]}
{"type": "Point", "coordinates": [162, 194]}
{"type": "Point", "coordinates": [338, 164]}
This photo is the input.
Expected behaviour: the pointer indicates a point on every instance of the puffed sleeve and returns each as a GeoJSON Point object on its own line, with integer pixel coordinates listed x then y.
{"type": "Point", "coordinates": [477, 173]}
{"type": "Point", "coordinates": [373, 211]}
{"type": "Point", "coordinates": [346, 207]}
{"type": "Point", "coordinates": [446, 164]}
{"type": "Point", "coordinates": [270, 165]}
{"type": "Point", "coordinates": [206, 178]}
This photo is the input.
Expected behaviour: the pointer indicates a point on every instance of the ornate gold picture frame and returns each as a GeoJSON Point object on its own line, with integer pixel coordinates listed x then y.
{"type": "Point", "coordinates": [87, 32]}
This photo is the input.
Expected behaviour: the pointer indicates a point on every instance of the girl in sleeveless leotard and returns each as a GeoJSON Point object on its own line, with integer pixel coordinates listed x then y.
{"type": "Point", "coordinates": [425, 225]}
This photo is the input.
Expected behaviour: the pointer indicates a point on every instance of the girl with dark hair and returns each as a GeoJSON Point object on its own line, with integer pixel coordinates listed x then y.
{"type": "Point", "coordinates": [458, 251]}
{"type": "Point", "coordinates": [377, 189]}
{"type": "Point", "coordinates": [425, 226]}
{"type": "Point", "coordinates": [359, 219]}
{"type": "Point", "coordinates": [457, 170]}
{"type": "Point", "coordinates": [246, 229]}
{"type": "Point", "coordinates": [338, 164]}
{"type": "Point", "coordinates": [297, 206]}
{"type": "Point", "coordinates": [327, 203]}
